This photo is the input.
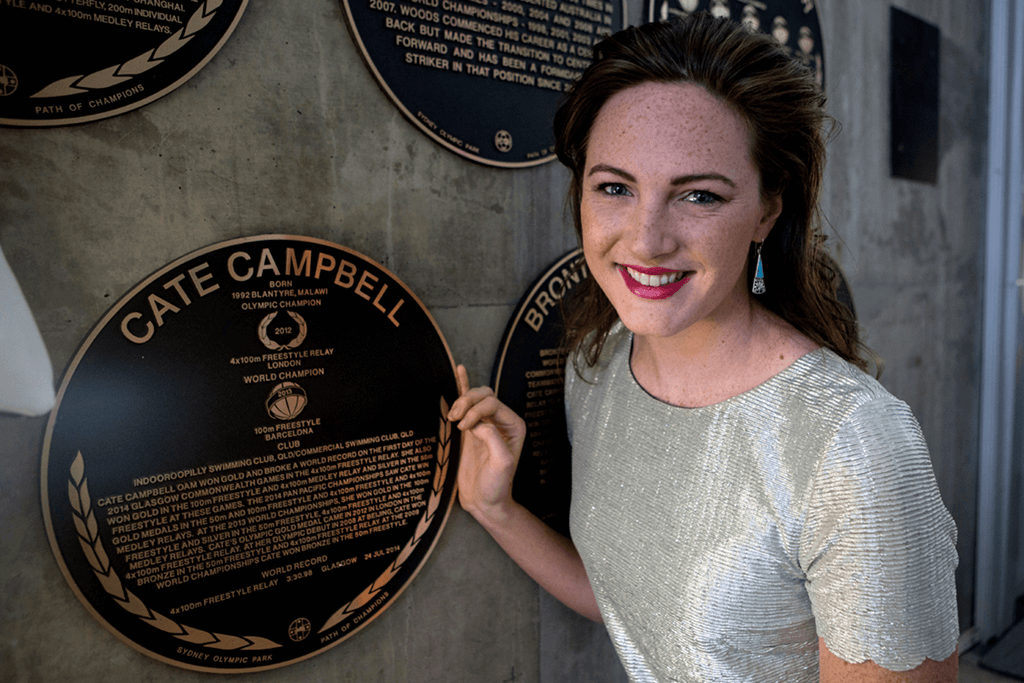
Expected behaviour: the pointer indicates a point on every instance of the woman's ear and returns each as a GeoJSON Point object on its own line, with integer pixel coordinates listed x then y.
{"type": "Point", "coordinates": [772, 207]}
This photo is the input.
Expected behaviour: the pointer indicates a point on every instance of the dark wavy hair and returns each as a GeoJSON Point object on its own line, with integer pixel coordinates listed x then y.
{"type": "Point", "coordinates": [784, 109]}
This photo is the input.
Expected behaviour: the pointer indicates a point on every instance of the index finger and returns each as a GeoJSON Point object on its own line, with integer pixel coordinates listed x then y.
{"type": "Point", "coordinates": [462, 379]}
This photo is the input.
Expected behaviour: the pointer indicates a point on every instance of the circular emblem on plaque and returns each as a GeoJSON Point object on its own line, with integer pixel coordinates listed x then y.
{"type": "Point", "coordinates": [460, 70]}
{"type": "Point", "coordinates": [201, 489]}
{"type": "Point", "coordinates": [297, 338]}
{"type": "Point", "coordinates": [299, 629]}
{"type": "Point", "coordinates": [8, 81]}
{"type": "Point", "coordinates": [528, 376]}
{"type": "Point", "coordinates": [82, 61]}
{"type": "Point", "coordinates": [286, 401]}
{"type": "Point", "coordinates": [503, 141]}
{"type": "Point", "coordinates": [793, 23]}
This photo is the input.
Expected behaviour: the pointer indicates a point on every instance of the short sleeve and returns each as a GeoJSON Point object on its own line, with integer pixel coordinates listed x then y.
{"type": "Point", "coordinates": [570, 386]}
{"type": "Point", "coordinates": [878, 547]}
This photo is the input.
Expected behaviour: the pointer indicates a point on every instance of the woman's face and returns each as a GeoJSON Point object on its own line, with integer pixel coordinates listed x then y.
{"type": "Point", "coordinates": [671, 202]}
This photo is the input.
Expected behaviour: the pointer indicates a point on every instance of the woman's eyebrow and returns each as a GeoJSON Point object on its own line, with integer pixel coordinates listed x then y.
{"type": "Point", "coordinates": [605, 168]}
{"type": "Point", "coordinates": [697, 177]}
{"type": "Point", "coordinates": [678, 180]}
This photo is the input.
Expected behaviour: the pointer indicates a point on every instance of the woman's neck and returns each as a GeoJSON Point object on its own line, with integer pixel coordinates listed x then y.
{"type": "Point", "coordinates": [712, 361]}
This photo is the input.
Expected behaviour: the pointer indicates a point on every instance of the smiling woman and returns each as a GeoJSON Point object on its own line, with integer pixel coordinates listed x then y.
{"type": "Point", "coordinates": [782, 116]}
{"type": "Point", "coordinates": [670, 193]}
{"type": "Point", "coordinates": [747, 503]}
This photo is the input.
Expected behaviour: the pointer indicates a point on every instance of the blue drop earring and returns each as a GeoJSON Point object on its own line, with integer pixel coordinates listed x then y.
{"type": "Point", "coordinates": [758, 287]}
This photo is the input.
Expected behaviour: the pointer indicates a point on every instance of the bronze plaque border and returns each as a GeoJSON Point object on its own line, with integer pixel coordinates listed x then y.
{"type": "Point", "coordinates": [135, 104]}
{"type": "Point", "coordinates": [442, 475]}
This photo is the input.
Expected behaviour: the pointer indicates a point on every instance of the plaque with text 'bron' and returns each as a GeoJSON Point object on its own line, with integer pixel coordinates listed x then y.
{"type": "Point", "coordinates": [481, 77]}
{"type": "Point", "coordinates": [793, 23]}
{"type": "Point", "coordinates": [249, 458]}
{"type": "Point", "coordinates": [528, 376]}
{"type": "Point", "coordinates": [72, 61]}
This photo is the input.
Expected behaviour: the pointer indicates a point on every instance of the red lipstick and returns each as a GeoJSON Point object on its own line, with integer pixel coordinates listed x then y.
{"type": "Point", "coordinates": [649, 291]}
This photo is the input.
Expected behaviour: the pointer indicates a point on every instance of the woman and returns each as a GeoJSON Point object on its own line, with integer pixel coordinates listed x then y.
{"type": "Point", "coordinates": [748, 504]}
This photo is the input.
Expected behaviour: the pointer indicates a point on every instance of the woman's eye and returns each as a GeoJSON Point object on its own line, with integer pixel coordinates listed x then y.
{"type": "Point", "coordinates": [702, 197]}
{"type": "Point", "coordinates": [616, 189]}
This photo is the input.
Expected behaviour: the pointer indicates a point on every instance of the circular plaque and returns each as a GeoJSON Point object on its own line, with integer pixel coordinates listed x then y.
{"type": "Point", "coordinates": [529, 377]}
{"type": "Point", "coordinates": [794, 23]}
{"type": "Point", "coordinates": [481, 77]}
{"type": "Point", "coordinates": [71, 61]}
{"type": "Point", "coordinates": [250, 458]}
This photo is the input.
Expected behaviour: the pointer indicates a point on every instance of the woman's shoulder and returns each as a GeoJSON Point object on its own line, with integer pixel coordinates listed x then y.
{"type": "Point", "coordinates": [823, 377]}
{"type": "Point", "coordinates": [867, 444]}
{"type": "Point", "coordinates": [837, 416]}
{"type": "Point", "coordinates": [616, 346]}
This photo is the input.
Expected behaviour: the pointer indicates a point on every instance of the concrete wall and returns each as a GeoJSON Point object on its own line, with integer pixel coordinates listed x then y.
{"type": "Point", "coordinates": [286, 131]}
{"type": "Point", "coordinates": [912, 250]}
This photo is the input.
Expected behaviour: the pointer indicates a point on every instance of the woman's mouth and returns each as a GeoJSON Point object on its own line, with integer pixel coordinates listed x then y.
{"type": "Point", "coordinates": [653, 283]}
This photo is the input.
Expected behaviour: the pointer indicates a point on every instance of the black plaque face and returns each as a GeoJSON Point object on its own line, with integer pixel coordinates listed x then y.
{"type": "Point", "coordinates": [249, 458]}
{"type": "Point", "coordinates": [71, 61]}
{"type": "Point", "coordinates": [793, 23]}
{"type": "Point", "coordinates": [529, 374]}
{"type": "Point", "coordinates": [913, 97]}
{"type": "Point", "coordinates": [481, 77]}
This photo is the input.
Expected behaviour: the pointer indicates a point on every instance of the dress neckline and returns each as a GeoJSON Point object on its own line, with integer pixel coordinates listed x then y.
{"type": "Point", "coordinates": [794, 368]}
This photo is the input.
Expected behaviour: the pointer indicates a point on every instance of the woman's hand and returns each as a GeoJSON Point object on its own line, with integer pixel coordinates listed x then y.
{"type": "Point", "coordinates": [492, 440]}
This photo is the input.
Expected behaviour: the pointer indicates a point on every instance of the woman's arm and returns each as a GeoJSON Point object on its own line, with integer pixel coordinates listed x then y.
{"type": "Point", "coordinates": [879, 552]}
{"type": "Point", "coordinates": [492, 440]}
{"type": "Point", "coordinates": [835, 670]}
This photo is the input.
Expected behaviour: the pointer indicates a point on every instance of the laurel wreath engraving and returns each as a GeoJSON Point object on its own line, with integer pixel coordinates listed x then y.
{"type": "Point", "coordinates": [368, 593]}
{"type": "Point", "coordinates": [92, 546]}
{"type": "Point", "coordinates": [122, 73]}
{"type": "Point", "coordinates": [273, 345]}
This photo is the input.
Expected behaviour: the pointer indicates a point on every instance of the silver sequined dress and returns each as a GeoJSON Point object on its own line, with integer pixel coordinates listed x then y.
{"type": "Point", "coordinates": [721, 542]}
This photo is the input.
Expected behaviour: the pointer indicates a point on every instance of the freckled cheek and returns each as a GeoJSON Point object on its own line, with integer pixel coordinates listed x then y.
{"type": "Point", "coordinates": [598, 251]}
{"type": "Point", "coordinates": [596, 254]}
{"type": "Point", "coordinates": [728, 261]}
{"type": "Point", "coordinates": [723, 255]}
{"type": "Point", "coordinates": [597, 235]}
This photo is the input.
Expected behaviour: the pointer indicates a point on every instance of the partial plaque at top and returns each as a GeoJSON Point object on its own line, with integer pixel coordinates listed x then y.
{"type": "Point", "coordinates": [529, 377]}
{"type": "Point", "coordinates": [481, 77]}
{"type": "Point", "coordinates": [72, 61]}
{"type": "Point", "coordinates": [250, 459]}
{"type": "Point", "coordinates": [793, 23]}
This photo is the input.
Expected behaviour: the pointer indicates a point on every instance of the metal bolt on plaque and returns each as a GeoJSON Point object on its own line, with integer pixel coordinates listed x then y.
{"type": "Point", "coordinates": [249, 458]}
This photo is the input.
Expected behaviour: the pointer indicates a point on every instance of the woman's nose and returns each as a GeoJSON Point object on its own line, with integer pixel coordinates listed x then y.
{"type": "Point", "coordinates": [654, 235]}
